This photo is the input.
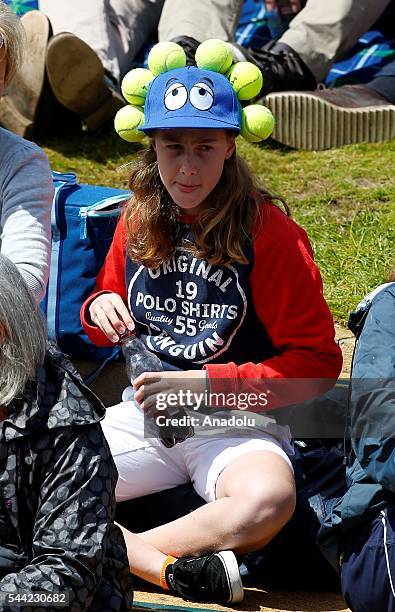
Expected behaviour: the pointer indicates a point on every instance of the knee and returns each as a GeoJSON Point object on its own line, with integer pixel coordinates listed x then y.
{"type": "Point", "coordinates": [268, 506]}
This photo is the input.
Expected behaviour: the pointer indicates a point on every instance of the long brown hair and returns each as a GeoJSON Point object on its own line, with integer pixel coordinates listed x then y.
{"type": "Point", "coordinates": [220, 232]}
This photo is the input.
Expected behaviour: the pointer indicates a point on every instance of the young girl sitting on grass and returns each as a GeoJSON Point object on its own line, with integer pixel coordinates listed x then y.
{"type": "Point", "coordinates": [222, 286]}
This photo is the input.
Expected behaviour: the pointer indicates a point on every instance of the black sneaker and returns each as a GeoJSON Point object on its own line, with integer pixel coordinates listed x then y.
{"type": "Point", "coordinates": [189, 45]}
{"type": "Point", "coordinates": [213, 578]}
{"type": "Point", "coordinates": [282, 68]}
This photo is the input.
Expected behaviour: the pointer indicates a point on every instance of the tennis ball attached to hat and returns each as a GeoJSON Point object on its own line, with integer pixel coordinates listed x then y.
{"type": "Point", "coordinates": [257, 123]}
{"type": "Point", "coordinates": [127, 121]}
{"type": "Point", "coordinates": [246, 80]}
{"type": "Point", "coordinates": [135, 85]}
{"type": "Point", "coordinates": [214, 54]}
{"type": "Point", "coordinates": [166, 56]}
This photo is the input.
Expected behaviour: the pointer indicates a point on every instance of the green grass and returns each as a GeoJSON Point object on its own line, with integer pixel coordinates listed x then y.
{"type": "Point", "coordinates": [344, 198]}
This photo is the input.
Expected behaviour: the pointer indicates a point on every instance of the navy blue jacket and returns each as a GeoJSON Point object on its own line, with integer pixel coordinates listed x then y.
{"type": "Point", "coordinates": [371, 475]}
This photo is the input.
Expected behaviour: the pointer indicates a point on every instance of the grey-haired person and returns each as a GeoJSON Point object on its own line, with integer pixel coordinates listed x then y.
{"type": "Point", "coordinates": [59, 546]}
{"type": "Point", "coordinates": [25, 179]}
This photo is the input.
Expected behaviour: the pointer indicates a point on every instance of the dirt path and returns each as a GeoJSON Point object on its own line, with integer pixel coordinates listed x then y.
{"type": "Point", "coordinates": [346, 340]}
{"type": "Point", "coordinates": [255, 601]}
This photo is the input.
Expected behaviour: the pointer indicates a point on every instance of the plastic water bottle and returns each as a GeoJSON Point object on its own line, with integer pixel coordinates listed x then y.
{"type": "Point", "coordinates": [137, 357]}
{"type": "Point", "coordinates": [139, 360]}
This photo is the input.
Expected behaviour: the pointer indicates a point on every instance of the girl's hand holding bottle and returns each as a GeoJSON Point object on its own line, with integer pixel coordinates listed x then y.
{"type": "Point", "coordinates": [142, 366]}
{"type": "Point", "coordinates": [109, 312]}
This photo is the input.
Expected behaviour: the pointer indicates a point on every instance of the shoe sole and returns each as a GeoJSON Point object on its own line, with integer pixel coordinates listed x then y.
{"type": "Point", "coordinates": [38, 31]}
{"type": "Point", "coordinates": [75, 73]}
{"type": "Point", "coordinates": [18, 108]}
{"type": "Point", "coordinates": [231, 567]}
{"type": "Point", "coordinates": [76, 76]}
{"type": "Point", "coordinates": [304, 121]}
{"type": "Point", "coordinates": [13, 120]}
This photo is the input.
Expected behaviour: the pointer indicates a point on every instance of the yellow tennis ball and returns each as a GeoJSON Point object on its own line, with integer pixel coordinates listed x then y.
{"type": "Point", "coordinates": [127, 121]}
{"type": "Point", "coordinates": [166, 56]}
{"type": "Point", "coordinates": [214, 54]}
{"type": "Point", "coordinates": [135, 86]}
{"type": "Point", "coordinates": [246, 80]}
{"type": "Point", "coordinates": [257, 123]}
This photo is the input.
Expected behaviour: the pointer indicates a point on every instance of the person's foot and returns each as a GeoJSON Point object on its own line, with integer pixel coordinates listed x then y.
{"type": "Point", "coordinates": [282, 68]}
{"type": "Point", "coordinates": [212, 578]}
{"type": "Point", "coordinates": [19, 105]}
{"type": "Point", "coordinates": [77, 79]}
{"type": "Point", "coordinates": [329, 118]}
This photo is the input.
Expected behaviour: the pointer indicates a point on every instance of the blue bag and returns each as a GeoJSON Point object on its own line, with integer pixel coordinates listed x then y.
{"type": "Point", "coordinates": [84, 218]}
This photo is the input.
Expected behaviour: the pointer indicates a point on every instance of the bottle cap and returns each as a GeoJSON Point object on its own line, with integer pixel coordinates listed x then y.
{"type": "Point", "coordinates": [126, 335]}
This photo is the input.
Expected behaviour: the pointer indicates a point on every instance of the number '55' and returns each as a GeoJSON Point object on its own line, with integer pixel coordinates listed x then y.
{"type": "Point", "coordinates": [185, 326]}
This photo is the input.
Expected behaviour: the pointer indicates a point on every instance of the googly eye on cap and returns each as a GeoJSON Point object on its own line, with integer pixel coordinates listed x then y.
{"type": "Point", "coordinates": [191, 98]}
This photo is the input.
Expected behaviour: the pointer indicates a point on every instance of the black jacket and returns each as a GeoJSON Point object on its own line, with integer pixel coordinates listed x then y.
{"type": "Point", "coordinates": [57, 481]}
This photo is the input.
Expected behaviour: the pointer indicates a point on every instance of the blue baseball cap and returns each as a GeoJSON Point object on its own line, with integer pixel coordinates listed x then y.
{"type": "Point", "coordinates": [191, 98]}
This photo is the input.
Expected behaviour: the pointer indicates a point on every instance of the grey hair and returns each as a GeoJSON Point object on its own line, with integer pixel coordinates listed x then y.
{"type": "Point", "coordinates": [12, 40]}
{"type": "Point", "coordinates": [24, 342]}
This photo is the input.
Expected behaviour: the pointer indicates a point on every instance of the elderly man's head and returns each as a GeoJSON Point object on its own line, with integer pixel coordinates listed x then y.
{"type": "Point", "coordinates": [22, 333]}
{"type": "Point", "coordinates": [12, 38]}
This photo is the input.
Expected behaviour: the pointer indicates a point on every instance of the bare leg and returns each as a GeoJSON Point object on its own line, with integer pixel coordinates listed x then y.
{"type": "Point", "coordinates": [145, 561]}
{"type": "Point", "coordinates": [256, 497]}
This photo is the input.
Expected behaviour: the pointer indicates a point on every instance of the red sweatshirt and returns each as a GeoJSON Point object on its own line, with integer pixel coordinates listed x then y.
{"type": "Point", "coordinates": [265, 319]}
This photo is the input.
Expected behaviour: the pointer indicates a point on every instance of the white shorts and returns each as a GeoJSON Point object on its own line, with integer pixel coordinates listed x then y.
{"type": "Point", "coordinates": [146, 466]}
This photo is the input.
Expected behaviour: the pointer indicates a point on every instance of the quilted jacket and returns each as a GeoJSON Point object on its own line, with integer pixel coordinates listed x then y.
{"type": "Point", "coordinates": [57, 481]}
{"type": "Point", "coordinates": [371, 419]}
